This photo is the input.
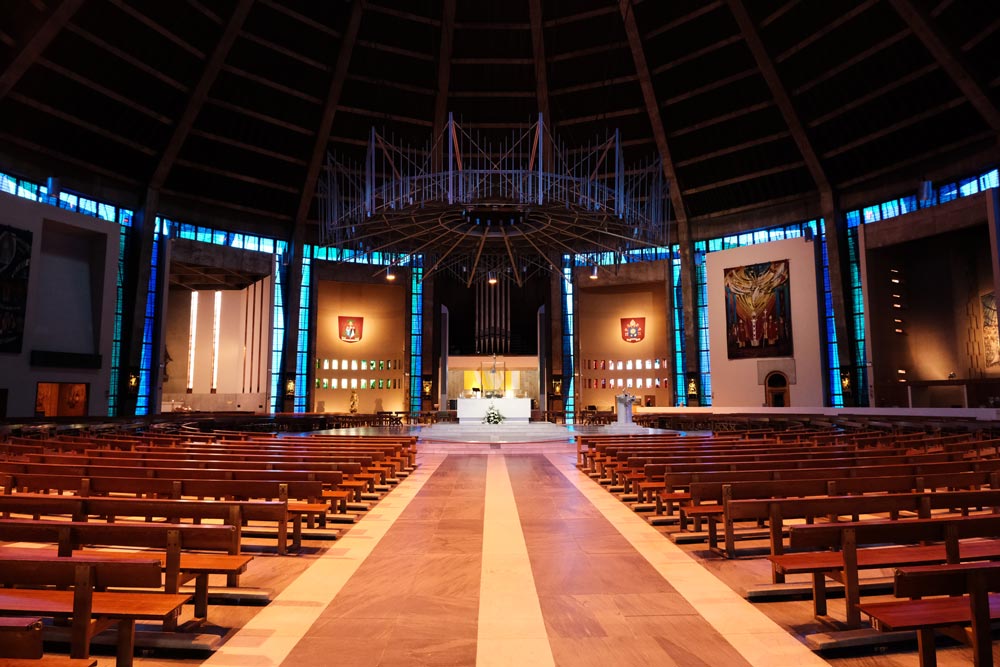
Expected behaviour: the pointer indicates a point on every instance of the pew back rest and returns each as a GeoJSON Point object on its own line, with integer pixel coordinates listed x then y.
{"type": "Point", "coordinates": [957, 579]}
{"type": "Point", "coordinates": [70, 535]}
{"type": "Point", "coordinates": [908, 531]}
{"type": "Point", "coordinates": [65, 572]}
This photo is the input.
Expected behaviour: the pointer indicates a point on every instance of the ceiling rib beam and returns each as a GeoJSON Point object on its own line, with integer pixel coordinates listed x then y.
{"type": "Point", "coordinates": [329, 111]}
{"type": "Point", "coordinates": [780, 169]}
{"type": "Point", "coordinates": [256, 115]}
{"type": "Point", "coordinates": [406, 16]}
{"type": "Point", "coordinates": [845, 65]}
{"type": "Point", "coordinates": [273, 85]}
{"type": "Point", "coordinates": [86, 165]}
{"type": "Point", "coordinates": [73, 120]}
{"type": "Point", "coordinates": [301, 18]}
{"type": "Point", "coordinates": [715, 120]}
{"type": "Point", "coordinates": [652, 108]}
{"type": "Point", "coordinates": [176, 195]}
{"type": "Point", "coordinates": [917, 159]}
{"type": "Point", "coordinates": [974, 41]}
{"type": "Point", "coordinates": [381, 115]}
{"type": "Point", "coordinates": [245, 178]}
{"type": "Point", "coordinates": [781, 97]}
{"type": "Point", "coordinates": [895, 127]}
{"type": "Point", "coordinates": [708, 87]}
{"type": "Point", "coordinates": [37, 44]}
{"type": "Point", "coordinates": [139, 17]}
{"type": "Point", "coordinates": [736, 148]}
{"type": "Point", "coordinates": [601, 84]}
{"type": "Point", "coordinates": [278, 48]}
{"type": "Point", "coordinates": [878, 92]}
{"type": "Point", "coordinates": [694, 55]}
{"type": "Point", "coordinates": [582, 16]}
{"type": "Point", "coordinates": [825, 30]}
{"type": "Point", "coordinates": [588, 51]}
{"type": "Point", "coordinates": [211, 136]}
{"type": "Point", "coordinates": [107, 92]}
{"type": "Point", "coordinates": [199, 95]}
{"type": "Point", "coordinates": [778, 13]}
{"type": "Point", "coordinates": [444, 67]}
{"type": "Point", "coordinates": [704, 9]}
{"type": "Point", "coordinates": [950, 60]}
{"type": "Point", "coordinates": [541, 73]}
{"type": "Point", "coordinates": [131, 60]}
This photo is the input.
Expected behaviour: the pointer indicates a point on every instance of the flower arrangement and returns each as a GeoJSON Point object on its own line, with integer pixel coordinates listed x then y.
{"type": "Point", "coordinates": [493, 415]}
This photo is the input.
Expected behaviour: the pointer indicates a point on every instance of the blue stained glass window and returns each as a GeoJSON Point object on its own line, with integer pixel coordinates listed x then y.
{"type": "Point", "coordinates": [277, 336]}
{"type": "Point", "coordinates": [701, 315]}
{"type": "Point", "coordinates": [569, 335]}
{"type": "Point", "coordinates": [302, 338]}
{"type": "Point", "coordinates": [679, 342]}
{"type": "Point", "coordinates": [416, 332]}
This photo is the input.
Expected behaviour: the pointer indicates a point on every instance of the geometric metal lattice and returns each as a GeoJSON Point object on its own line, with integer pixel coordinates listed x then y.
{"type": "Point", "coordinates": [492, 208]}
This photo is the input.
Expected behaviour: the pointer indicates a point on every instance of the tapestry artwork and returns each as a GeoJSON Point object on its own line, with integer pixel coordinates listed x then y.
{"type": "Point", "coordinates": [758, 311]}
{"type": "Point", "coordinates": [15, 258]}
{"type": "Point", "coordinates": [991, 332]}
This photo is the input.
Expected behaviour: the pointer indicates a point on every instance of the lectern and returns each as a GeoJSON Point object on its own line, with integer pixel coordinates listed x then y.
{"type": "Point", "coordinates": [623, 406]}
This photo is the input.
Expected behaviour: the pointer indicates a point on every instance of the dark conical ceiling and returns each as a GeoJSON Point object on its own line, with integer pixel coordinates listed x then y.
{"type": "Point", "coordinates": [227, 107]}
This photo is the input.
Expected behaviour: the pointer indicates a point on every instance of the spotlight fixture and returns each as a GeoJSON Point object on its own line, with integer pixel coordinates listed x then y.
{"type": "Point", "coordinates": [593, 272]}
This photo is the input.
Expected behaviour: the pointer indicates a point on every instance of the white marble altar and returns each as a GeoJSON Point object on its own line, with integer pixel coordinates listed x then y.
{"type": "Point", "coordinates": [472, 410]}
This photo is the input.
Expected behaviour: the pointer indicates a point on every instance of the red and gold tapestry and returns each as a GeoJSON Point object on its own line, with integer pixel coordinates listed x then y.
{"type": "Point", "coordinates": [633, 329]}
{"type": "Point", "coordinates": [758, 311]}
{"type": "Point", "coordinates": [350, 328]}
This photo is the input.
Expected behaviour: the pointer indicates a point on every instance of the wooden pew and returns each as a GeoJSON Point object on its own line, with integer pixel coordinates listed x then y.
{"type": "Point", "coordinates": [91, 608]}
{"type": "Point", "coordinates": [178, 545]}
{"type": "Point", "coordinates": [917, 542]}
{"type": "Point", "coordinates": [234, 512]}
{"type": "Point", "coordinates": [971, 601]}
{"type": "Point", "coordinates": [775, 510]}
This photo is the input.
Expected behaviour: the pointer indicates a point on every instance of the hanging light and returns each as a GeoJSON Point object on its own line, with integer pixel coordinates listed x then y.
{"type": "Point", "coordinates": [593, 272]}
{"type": "Point", "coordinates": [389, 275]}
{"type": "Point", "coordinates": [491, 278]}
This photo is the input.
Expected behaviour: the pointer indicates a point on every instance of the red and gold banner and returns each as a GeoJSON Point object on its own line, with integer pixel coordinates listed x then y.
{"type": "Point", "coordinates": [350, 328]}
{"type": "Point", "coordinates": [633, 329]}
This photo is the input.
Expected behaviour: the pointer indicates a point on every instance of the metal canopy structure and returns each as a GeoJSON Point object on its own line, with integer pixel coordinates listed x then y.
{"type": "Point", "coordinates": [495, 208]}
{"type": "Point", "coordinates": [223, 113]}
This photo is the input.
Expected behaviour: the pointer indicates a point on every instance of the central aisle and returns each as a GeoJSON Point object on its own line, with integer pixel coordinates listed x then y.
{"type": "Point", "coordinates": [514, 559]}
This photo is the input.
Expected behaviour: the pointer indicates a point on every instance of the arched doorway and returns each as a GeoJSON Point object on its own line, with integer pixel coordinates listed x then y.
{"type": "Point", "coordinates": [776, 390]}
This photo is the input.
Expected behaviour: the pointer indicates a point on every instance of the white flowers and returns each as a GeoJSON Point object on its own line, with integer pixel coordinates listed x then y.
{"type": "Point", "coordinates": [493, 415]}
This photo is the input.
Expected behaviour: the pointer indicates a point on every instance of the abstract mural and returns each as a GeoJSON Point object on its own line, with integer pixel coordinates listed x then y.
{"type": "Point", "coordinates": [758, 311]}
{"type": "Point", "coordinates": [991, 333]}
{"type": "Point", "coordinates": [15, 258]}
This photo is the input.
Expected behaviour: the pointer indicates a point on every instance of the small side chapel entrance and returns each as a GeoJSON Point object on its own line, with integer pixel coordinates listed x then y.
{"type": "Point", "coordinates": [776, 390]}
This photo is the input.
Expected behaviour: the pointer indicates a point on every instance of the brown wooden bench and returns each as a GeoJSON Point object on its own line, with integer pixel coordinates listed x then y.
{"type": "Point", "coordinates": [971, 601]}
{"type": "Point", "coordinates": [233, 512]}
{"type": "Point", "coordinates": [911, 542]}
{"type": "Point", "coordinates": [178, 546]}
{"type": "Point", "coordinates": [776, 510]}
{"type": "Point", "coordinates": [21, 637]}
{"type": "Point", "coordinates": [88, 604]}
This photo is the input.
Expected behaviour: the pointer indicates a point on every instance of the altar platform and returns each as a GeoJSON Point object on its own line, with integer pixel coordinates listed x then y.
{"type": "Point", "coordinates": [524, 432]}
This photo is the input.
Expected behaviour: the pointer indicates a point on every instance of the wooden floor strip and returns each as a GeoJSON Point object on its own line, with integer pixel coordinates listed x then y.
{"type": "Point", "coordinates": [760, 641]}
{"type": "Point", "coordinates": [268, 638]}
{"type": "Point", "coordinates": [511, 628]}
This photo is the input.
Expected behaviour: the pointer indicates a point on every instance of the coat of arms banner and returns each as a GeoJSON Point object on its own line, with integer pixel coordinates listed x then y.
{"type": "Point", "coordinates": [350, 328]}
